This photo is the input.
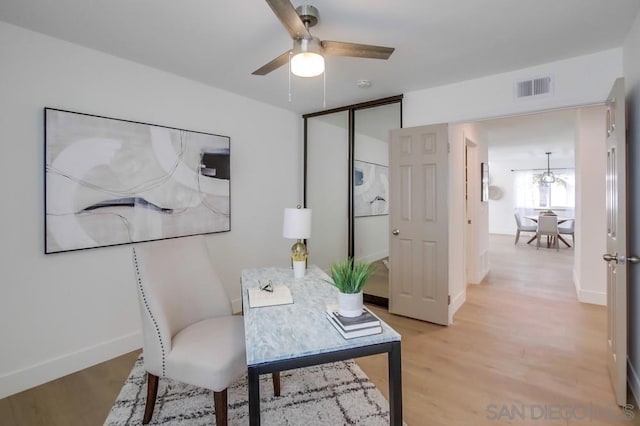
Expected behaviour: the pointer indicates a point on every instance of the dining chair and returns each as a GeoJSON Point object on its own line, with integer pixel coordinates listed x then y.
{"type": "Point", "coordinates": [189, 332]}
{"type": "Point", "coordinates": [548, 226]}
{"type": "Point", "coordinates": [568, 228]}
{"type": "Point", "coordinates": [522, 228]}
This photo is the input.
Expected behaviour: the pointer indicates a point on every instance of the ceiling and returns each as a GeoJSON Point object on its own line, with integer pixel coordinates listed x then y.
{"type": "Point", "coordinates": [221, 42]}
{"type": "Point", "coordinates": [526, 138]}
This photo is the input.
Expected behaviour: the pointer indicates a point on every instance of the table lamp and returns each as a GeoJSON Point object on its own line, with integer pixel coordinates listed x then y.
{"type": "Point", "coordinates": [297, 226]}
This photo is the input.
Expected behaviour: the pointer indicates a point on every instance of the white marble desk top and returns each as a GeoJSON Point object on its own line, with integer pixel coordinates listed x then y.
{"type": "Point", "coordinates": [274, 333]}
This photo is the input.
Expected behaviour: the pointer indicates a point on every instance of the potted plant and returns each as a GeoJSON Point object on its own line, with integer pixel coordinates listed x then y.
{"type": "Point", "coordinates": [349, 277]}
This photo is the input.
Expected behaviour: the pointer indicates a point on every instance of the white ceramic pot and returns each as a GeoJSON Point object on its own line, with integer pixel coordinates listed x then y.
{"type": "Point", "coordinates": [299, 269]}
{"type": "Point", "coordinates": [350, 305]}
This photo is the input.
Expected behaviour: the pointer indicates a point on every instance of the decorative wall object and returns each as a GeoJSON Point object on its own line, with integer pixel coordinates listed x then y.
{"type": "Point", "coordinates": [484, 180]}
{"type": "Point", "coordinates": [371, 189]}
{"type": "Point", "coordinates": [110, 182]}
{"type": "Point", "coordinates": [495, 193]}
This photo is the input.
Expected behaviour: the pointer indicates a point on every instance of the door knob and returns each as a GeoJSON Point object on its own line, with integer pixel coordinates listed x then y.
{"type": "Point", "coordinates": [633, 259]}
{"type": "Point", "coordinates": [396, 232]}
{"type": "Point", "coordinates": [609, 257]}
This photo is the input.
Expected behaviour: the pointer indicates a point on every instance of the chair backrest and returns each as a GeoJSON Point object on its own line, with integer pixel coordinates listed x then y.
{"type": "Point", "coordinates": [568, 226]}
{"type": "Point", "coordinates": [177, 286]}
{"type": "Point", "coordinates": [548, 224]}
{"type": "Point", "coordinates": [517, 220]}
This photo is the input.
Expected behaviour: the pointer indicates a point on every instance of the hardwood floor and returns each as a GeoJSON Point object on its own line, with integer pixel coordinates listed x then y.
{"type": "Point", "coordinates": [378, 283]}
{"type": "Point", "coordinates": [520, 345]}
{"type": "Point", "coordinates": [83, 398]}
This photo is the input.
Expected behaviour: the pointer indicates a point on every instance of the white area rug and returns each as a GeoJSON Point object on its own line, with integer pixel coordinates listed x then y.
{"type": "Point", "coordinates": [330, 394]}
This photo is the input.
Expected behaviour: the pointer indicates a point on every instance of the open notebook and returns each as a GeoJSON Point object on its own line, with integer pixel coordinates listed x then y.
{"type": "Point", "coordinates": [280, 296]}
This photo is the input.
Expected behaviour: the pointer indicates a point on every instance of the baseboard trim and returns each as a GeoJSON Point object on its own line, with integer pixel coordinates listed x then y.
{"type": "Point", "coordinates": [37, 374]}
{"type": "Point", "coordinates": [588, 296]}
{"type": "Point", "coordinates": [633, 380]}
{"type": "Point", "coordinates": [236, 305]}
{"type": "Point", "coordinates": [456, 303]}
{"type": "Point", "coordinates": [374, 257]}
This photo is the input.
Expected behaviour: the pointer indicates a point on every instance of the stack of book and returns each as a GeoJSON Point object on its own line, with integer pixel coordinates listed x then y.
{"type": "Point", "coordinates": [363, 325]}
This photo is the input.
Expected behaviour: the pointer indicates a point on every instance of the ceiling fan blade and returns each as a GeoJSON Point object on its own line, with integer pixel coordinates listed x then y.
{"type": "Point", "coordinates": [287, 14]}
{"type": "Point", "coordinates": [339, 48]}
{"type": "Point", "coordinates": [273, 65]}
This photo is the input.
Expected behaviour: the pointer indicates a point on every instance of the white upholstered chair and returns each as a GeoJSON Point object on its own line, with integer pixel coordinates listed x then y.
{"type": "Point", "coordinates": [548, 226]}
{"type": "Point", "coordinates": [189, 332]}
{"type": "Point", "coordinates": [568, 228]}
{"type": "Point", "coordinates": [523, 228]}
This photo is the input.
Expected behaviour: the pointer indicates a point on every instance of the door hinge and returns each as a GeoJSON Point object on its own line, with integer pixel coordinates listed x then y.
{"type": "Point", "coordinates": [449, 300]}
{"type": "Point", "coordinates": [449, 147]}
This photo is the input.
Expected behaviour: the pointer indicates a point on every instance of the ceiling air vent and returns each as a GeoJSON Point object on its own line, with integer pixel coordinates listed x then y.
{"type": "Point", "coordinates": [533, 87]}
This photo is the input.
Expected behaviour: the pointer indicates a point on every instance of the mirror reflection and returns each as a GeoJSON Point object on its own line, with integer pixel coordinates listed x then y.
{"type": "Point", "coordinates": [347, 187]}
{"type": "Point", "coordinates": [371, 193]}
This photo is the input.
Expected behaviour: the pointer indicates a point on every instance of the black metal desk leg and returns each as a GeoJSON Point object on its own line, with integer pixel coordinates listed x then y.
{"type": "Point", "coordinates": [395, 385]}
{"type": "Point", "coordinates": [254, 397]}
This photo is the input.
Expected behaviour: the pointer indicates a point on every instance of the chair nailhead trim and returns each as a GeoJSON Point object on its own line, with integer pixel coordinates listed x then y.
{"type": "Point", "coordinates": [146, 305]}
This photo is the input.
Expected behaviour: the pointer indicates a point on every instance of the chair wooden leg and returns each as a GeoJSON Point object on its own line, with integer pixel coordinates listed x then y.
{"type": "Point", "coordinates": [220, 405]}
{"type": "Point", "coordinates": [517, 236]}
{"type": "Point", "coordinates": [276, 383]}
{"type": "Point", "coordinates": [152, 393]}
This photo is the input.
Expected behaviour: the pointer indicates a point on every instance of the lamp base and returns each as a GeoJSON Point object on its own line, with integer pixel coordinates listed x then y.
{"type": "Point", "coordinates": [299, 253]}
{"type": "Point", "coordinates": [299, 269]}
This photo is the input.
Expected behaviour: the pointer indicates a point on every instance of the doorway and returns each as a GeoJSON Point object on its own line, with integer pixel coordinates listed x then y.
{"type": "Point", "coordinates": [518, 147]}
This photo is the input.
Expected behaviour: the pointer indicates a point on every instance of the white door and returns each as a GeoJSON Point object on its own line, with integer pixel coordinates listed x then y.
{"type": "Point", "coordinates": [418, 216]}
{"type": "Point", "coordinates": [616, 242]}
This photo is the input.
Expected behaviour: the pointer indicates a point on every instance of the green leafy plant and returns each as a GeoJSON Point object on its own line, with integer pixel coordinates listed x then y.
{"type": "Point", "coordinates": [350, 276]}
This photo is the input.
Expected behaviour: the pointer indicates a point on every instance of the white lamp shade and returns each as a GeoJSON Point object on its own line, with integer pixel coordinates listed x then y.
{"type": "Point", "coordinates": [297, 223]}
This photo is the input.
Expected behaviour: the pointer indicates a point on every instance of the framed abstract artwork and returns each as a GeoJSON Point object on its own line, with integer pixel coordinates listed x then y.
{"type": "Point", "coordinates": [484, 182]}
{"type": "Point", "coordinates": [370, 189]}
{"type": "Point", "coordinates": [111, 182]}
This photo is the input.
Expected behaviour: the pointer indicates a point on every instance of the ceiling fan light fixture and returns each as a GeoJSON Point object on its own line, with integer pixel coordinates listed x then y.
{"type": "Point", "coordinates": [307, 59]}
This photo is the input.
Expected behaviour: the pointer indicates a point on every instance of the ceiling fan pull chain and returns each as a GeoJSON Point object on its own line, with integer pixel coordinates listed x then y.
{"type": "Point", "coordinates": [289, 76]}
{"type": "Point", "coordinates": [324, 88]}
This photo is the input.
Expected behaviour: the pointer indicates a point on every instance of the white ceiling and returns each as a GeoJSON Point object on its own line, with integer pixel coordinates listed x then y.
{"type": "Point", "coordinates": [525, 139]}
{"type": "Point", "coordinates": [220, 42]}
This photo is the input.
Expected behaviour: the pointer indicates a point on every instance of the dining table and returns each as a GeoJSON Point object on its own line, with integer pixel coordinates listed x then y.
{"type": "Point", "coordinates": [561, 219]}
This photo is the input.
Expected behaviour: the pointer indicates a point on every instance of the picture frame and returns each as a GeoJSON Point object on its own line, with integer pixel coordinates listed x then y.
{"type": "Point", "coordinates": [110, 181]}
{"type": "Point", "coordinates": [484, 182]}
{"type": "Point", "coordinates": [370, 189]}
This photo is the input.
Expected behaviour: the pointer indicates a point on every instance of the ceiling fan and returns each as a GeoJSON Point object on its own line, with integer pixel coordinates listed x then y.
{"type": "Point", "coordinates": [308, 52]}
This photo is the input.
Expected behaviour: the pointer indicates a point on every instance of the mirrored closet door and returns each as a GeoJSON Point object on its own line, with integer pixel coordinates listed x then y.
{"type": "Point", "coordinates": [347, 186]}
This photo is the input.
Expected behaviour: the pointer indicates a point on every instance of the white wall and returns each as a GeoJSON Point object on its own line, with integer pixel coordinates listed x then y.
{"type": "Point", "coordinates": [63, 312]}
{"type": "Point", "coordinates": [589, 273]}
{"type": "Point", "coordinates": [631, 55]}
{"type": "Point", "coordinates": [492, 96]}
{"type": "Point", "coordinates": [501, 220]}
{"type": "Point", "coordinates": [458, 136]}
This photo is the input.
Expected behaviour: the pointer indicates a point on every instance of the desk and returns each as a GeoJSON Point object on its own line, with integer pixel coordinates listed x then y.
{"type": "Point", "coordinates": [560, 221]}
{"type": "Point", "coordinates": [299, 335]}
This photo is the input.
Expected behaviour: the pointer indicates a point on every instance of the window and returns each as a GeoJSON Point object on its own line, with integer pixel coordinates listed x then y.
{"type": "Point", "coordinates": [532, 194]}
